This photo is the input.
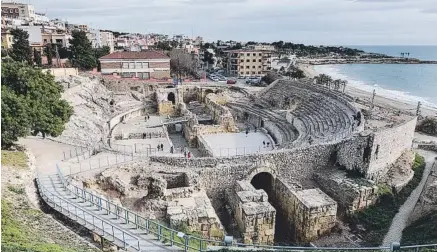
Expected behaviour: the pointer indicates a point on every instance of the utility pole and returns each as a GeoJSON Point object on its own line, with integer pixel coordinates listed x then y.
{"type": "Point", "coordinates": [419, 104]}
{"type": "Point", "coordinates": [373, 98]}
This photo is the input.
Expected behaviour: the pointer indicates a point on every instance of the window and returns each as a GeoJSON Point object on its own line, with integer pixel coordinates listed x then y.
{"type": "Point", "coordinates": [241, 73]}
{"type": "Point", "coordinates": [241, 60]}
{"type": "Point", "coordinates": [131, 65]}
{"type": "Point", "coordinates": [138, 65]}
{"type": "Point", "coordinates": [59, 41]}
{"type": "Point", "coordinates": [22, 11]}
{"type": "Point", "coordinates": [17, 11]}
{"type": "Point", "coordinates": [125, 65]}
{"type": "Point", "coordinates": [259, 60]}
{"type": "Point", "coordinates": [247, 67]}
{"type": "Point", "coordinates": [259, 66]}
{"type": "Point", "coordinates": [248, 54]}
{"type": "Point", "coordinates": [248, 60]}
{"type": "Point", "coordinates": [253, 66]}
{"type": "Point", "coordinates": [45, 41]}
{"type": "Point", "coordinates": [254, 60]}
{"type": "Point", "coordinates": [11, 11]}
{"type": "Point", "coordinates": [260, 54]}
{"type": "Point", "coordinates": [247, 72]}
{"type": "Point", "coordinates": [145, 65]}
{"type": "Point", "coordinates": [259, 72]}
{"type": "Point", "coordinates": [253, 72]}
{"type": "Point", "coordinates": [254, 54]}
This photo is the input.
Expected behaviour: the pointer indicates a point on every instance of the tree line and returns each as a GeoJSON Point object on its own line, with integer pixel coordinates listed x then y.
{"type": "Point", "coordinates": [80, 53]}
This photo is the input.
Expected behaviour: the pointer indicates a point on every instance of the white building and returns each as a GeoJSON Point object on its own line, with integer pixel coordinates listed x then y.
{"type": "Point", "coordinates": [107, 39]}
{"type": "Point", "coordinates": [23, 11]}
{"type": "Point", "coordinates": [35, 35]}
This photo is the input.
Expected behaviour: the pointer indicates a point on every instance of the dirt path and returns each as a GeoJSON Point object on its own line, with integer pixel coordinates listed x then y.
{"type": "Point", "coordinates": [400, 220]}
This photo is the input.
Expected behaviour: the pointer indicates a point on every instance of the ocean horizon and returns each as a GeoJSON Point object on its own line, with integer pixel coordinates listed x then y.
{"type": "Point", "coordinates": [410, 83]}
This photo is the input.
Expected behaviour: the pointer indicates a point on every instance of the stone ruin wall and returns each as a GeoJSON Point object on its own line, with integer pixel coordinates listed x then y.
{"type": "Point", "coordinates": [253, 213]}
{"type": "Point", "coordinates": [218, 173]}
{"type": "Point", "coordinates": [221, 115]}
{"type": "Point", "coordinates": [351, 194]}
{"type": "Point", "coordinates": [371, 153]}
{"type": "Point", "coordinates": [388, 145]}
{"type": "Point", "coordinates": [305, 222]}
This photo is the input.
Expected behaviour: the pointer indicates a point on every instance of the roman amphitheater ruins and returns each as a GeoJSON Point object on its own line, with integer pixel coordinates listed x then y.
{"type": "Point", "coordinates": [263, 165]}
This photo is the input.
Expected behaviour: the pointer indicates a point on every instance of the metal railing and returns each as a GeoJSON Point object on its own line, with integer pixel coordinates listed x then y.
{"type": "Point", "coordinates": [97, 224]}
{"type": "Point", "coordinates": [161, 232]}
{"type": "Point", "coordinates": [99, 163]}
{"type": "Point", "coordinates": [188, 242]}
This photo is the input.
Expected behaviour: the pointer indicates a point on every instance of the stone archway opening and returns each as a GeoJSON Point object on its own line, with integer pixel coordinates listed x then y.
{"type": "Point", "coordinates": [267, 182]}
{"type": "Point", "coordinates": [171, 97]}
{"type": "Point", "coordinates": [208, 91]}
{"type": "Point", "coordinates": [264, 181]}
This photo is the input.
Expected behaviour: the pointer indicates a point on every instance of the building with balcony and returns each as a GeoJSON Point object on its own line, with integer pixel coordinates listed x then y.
{"type": "Point", "coordinates": [141, 65]}
{"type": "Point", "coordinates": [18, 10]}
{"type": "Point", "coordinates": [61, 39]}
{"type": "Point", "coordinates": [107, 39]}
{"type": "Point", "coordinates": [245, 62]}
{"type": "Point", "coordinates": [7, 39]}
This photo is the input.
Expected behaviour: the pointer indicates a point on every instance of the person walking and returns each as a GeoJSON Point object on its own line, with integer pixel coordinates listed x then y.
{"type": "Point", "coordinates": [185, 153]}
{"type": "Point", "coordinates": [268, 144]}
{"type": "Point", "coordinates": [264, 144]}
{"type": "Point", "coordinates": [171, 149]}
{"type": "Point", "coordinates": [189, 155]}
{"type": "Point", "coordinates": [158, 147]}
{"type": "Point", "coordinates": [162, 147]}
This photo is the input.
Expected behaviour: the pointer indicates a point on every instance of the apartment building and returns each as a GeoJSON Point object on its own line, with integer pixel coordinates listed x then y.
{"type": "Point", "coordinates": [246, 62]}
{"type": "Point", "coordinates": [18, 10]}
{"type": "Point", "coordinates": [61, 39]}
{"type": "Point", "coordinates": [141, 65]}
{"type": "Point", "coordinates": [261, 47]}
{"type": "Point", "coordinates": [107, 39]}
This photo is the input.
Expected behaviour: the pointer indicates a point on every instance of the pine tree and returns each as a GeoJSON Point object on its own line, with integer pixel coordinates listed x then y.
{"type": "Point", "coordinates": [82, 53]}
{"type": "Point", "coordinates": [48, 51]}
{"type": "Point", "coordinates": [21, 50]}
{"type": "Point", "coordinates": [37, 57]}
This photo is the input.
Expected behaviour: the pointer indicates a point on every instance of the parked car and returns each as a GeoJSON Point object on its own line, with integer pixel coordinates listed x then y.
{"type": "Point", "coordinates": [222, 78]}
{"type": "Point", "coordinates": [231, 82]}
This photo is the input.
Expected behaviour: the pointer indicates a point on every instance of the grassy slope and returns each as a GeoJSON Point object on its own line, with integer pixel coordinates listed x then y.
{"type": "Point", "coordinates": [422, 231]}
{"type": "Point", "coordinates": [23, 227]}
{"type": "Point", "coordinates": [377, 219]}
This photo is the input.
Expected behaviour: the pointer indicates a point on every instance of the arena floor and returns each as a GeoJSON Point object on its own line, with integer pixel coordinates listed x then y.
{"type": "Point", "coordinates": [231, 144]}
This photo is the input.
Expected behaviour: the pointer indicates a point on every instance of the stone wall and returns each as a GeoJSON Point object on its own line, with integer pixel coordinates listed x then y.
{"type": "Point", "coordinates": [221, 115]}
{"type": "Point", "coordinates": [253, 213]}
{"type": "Point", "coordinates": [191, 207]}
{"type": "Point", "coordinates": [352, 194]}
{"type": "Point", "coordinates": [160, 74]}
{"type": "Point", "coordinates": [371, 153]}
{"type": "Point", "coordinates": [309, 213]}
{"type": "Point", "coordinates": [388, 145]}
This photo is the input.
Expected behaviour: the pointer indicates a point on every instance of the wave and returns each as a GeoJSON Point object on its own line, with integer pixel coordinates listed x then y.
{"type": "Point", "coordinates": [335, 72]}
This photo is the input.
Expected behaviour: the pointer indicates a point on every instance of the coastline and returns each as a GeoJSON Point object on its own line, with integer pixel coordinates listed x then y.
{"type": "Point", "coordinates": [382, 101]}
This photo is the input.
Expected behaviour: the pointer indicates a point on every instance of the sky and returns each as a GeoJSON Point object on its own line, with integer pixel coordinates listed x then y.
{"type": "Point", "coordinates": [318, 22]}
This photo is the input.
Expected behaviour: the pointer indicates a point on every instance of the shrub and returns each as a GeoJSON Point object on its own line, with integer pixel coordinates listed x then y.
{"type": "Point", "coordinates": [428, 126]}
{"type": "Point", "coordinates": [377, 218]}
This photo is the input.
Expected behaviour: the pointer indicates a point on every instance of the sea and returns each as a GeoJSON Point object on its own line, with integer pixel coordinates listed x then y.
{"type": "Point", "coordinates": [406, 82]}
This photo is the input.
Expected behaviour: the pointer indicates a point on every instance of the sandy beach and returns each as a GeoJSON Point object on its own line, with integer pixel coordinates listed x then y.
{"type": "Point", "coordinates": [379, 100]}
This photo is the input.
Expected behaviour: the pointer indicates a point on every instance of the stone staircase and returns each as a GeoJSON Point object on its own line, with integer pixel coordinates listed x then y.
{"type": "Point", "coordinates": [115, 224]}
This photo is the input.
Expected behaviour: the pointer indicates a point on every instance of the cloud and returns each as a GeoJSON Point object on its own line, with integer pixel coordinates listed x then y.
{"type": "Point", "coordinates": [315, 21]}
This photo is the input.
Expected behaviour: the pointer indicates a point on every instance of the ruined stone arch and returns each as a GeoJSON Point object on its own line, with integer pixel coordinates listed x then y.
{"type": "Point", "coordinates": [261, 169]}
{"type": "Point", "coordinates": [171, 97]}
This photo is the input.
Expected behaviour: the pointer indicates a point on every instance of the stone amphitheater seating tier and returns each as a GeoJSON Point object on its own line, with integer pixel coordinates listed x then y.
{"type": "Point", "coordinates": [324, 114]}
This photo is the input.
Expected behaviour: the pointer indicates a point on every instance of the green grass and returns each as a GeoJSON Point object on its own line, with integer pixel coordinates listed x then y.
{"type": "Point", "coordinates": [377, 218]}
{"type": "Point", "coordinates": [16, 159]}
{"type": "Point", "coordinates": [16, 189]}
{"type": "Point", "coordinates": [193, 244]}
{"type": "Point", "coordinates": [18, 234]}
{"type": "Point", "coordinates": [422, 231]}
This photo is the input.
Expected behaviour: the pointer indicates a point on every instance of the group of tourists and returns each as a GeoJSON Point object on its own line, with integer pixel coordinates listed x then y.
{"type": "Point", "coordinates": [264, 144]}
{"type": "Point", "coordinates": [160, 147]}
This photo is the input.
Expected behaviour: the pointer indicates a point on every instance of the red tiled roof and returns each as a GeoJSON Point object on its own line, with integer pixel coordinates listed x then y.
{"type": "Point", "coordinates": [136, 55]}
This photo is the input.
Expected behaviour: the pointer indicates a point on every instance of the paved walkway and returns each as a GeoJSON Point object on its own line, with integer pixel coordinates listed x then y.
{"type": "Point", "coordinates": [400, 220]}
{"type": "Point", "coordinates": [48, 154]}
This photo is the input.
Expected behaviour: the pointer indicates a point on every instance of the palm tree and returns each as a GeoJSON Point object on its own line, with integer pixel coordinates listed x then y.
{"type": "Point", "coordinates": [337, 84]}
